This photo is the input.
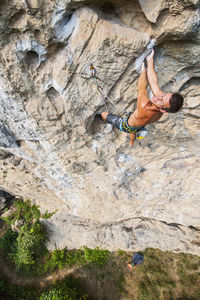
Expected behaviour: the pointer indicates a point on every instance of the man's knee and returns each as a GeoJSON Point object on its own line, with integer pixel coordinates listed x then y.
{"type": "Point", "coordinates": [104, 115]}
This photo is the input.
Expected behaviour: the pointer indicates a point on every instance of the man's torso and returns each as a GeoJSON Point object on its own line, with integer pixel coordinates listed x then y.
{"type": "Point", "coordinates": [143, 116]}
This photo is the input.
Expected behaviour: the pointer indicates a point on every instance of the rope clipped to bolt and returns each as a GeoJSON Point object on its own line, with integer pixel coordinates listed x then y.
{"type": "Point", "coordinates": [104, 97]}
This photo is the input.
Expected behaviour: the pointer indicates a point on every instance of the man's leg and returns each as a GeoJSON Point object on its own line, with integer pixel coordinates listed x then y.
{"type": "Point", "coordinates": [111, 119]}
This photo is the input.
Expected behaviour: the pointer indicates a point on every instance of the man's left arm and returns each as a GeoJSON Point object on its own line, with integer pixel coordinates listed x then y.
{"type": "Point", "coordinates": [142, 99]}
{"type": "Point", "coordinates": [152, 76]}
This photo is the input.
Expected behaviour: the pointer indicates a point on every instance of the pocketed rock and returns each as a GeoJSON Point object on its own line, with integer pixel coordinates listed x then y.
{"type": "Point", "coordinates": [55, 151]}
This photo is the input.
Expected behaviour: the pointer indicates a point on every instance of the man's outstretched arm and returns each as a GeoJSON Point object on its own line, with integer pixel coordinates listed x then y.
{"type": "Point", "coordinates": [142, 99]}
{"type": "Point", "coordinates": [152, 76]}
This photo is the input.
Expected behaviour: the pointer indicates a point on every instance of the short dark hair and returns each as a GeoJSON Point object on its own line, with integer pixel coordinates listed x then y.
{"type": "Point", "coordinates": [176, 102]}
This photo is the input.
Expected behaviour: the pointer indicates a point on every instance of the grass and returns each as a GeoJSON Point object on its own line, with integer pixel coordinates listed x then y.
{"type": "Point", "coordinates": [167, 276]}
{"type": "Point", "coordinates": [68, 288]}
{"type": "Point", "coordinates": [104, 275]}
{"type": "Point", "coordinates": [162, 276]}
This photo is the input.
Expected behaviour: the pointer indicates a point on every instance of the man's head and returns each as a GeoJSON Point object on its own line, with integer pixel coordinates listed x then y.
{"type": "Point", "coordinates": [170, 102]}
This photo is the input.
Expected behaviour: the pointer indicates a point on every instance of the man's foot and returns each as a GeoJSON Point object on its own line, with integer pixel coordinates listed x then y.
{"type": "Point", "coordinates": [131, 267]}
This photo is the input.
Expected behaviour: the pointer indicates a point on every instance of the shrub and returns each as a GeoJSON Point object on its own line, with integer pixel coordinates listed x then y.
{"type": "Point", "coordinates": [96, 256]}
{"type": "Point", "coordinates": [75, 257]}
{"type": "Point", "coordinates": [30, 246]}
{"type": "Point", "coordinates": [27, 247]}
{"type": "Point", "coordinates": [12, 291]}
{"type": "Point", "coordinates": [65, 289]}
{"type": "Point", "coordinates": [27, 213]}
{"type": "Point", "coordinates": [59, 294]}
{"type": "Point", "coordinates": [8, 242]}
{"type": "Point", "coordinates": [2, 286]}
{"type": "Point", "coordinates": [54, 260]}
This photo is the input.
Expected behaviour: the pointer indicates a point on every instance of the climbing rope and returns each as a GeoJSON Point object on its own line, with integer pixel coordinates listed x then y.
{"type": "Point", "coordinates": [99, 88]}
{"type": "Point", "coordinates": [104, 97]}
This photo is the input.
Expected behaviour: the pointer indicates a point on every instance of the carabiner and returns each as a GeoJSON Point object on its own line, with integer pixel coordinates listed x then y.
{"type": "Point", "coordinates": [100, 90]}
{"type": "Point", "coordinates": [92, 70]}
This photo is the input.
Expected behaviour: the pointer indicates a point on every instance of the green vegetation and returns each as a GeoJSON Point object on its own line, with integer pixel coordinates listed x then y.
{"type": "Point", "coordinates": [26, 249]}
{"type": "Point", "coordinates": [58, 259]}
{"type": "Point", "coordinates": [8, 241]}
{"type": "Point", "coordinates": [26, 213]}
{"type": "Point", "coordinates": [10, 291]}
{"type": "Point", "coordinates": [96, 256]}
{"type": "Point", "coordinates": [167, 276]}
{"type": "Point", "coordinates": [97, 273]}
{"type": "Point", "coordinates": [66, 289]}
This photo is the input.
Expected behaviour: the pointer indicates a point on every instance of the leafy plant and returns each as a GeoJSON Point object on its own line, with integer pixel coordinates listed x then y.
{"type": "Point", "coordinates": [56, 294]}
{"type": "Point", "coordinates": [54, 260]}
{"type": "Point", "coordinates": [96, 256]}
{"type": "Point", "coordinates": [121, 252]}
{"type": "Point", "coordinates": [65, 289]}
{"type": "Point", "coordinates": [60, 259]}
{"type": "Point", "coordinates": [27, 213]}
{"type": "Point", "coordinates": [2, 286]}
{"type": "Point", "coordinates": [30, 246]}
{"type": "Point", "coordinates": [26, 247]}
{"type": "Point", "coordinates": [12, 291]}
{"type": "Point", "coordinates": [7, 242]}
{"type": "Point", "coordinates": [75, 256]}
{"type": "Point", "coordinates": [67, 258]}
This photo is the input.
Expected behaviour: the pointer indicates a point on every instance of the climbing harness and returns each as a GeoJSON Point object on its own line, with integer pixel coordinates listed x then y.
{"type": "Point", "coordinates": [124, 126]}
{"type": "Point", "coordinates": [140, 132]}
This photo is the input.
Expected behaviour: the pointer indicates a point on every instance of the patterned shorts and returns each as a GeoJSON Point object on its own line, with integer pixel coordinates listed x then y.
{"type": "Point", "coordinates": [121, 123]}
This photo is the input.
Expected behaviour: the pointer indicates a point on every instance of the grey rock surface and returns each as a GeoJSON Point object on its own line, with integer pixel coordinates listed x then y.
{"type": "Point", "coordinates": [55, 151]}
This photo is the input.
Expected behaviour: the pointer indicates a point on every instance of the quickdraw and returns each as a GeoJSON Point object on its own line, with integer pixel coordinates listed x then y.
{"type": "Point", "coordinates": [92, 70]}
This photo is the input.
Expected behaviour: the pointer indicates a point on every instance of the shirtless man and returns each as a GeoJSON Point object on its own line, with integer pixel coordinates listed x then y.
{"type": "Point", "coordinates": [148, 110]}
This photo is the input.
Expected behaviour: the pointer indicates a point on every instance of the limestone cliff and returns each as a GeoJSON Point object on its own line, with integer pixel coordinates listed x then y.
{"type": "Point", "coordinates": [54, 150]}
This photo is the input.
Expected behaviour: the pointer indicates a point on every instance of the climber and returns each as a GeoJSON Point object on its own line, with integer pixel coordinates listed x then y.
{"type": "Point", "coordinates": [148, 110]}
{"type": "Point", "coordinates": [137, 259]}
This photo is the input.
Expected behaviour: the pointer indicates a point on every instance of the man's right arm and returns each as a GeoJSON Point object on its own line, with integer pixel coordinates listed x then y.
{"type": "Point", "coordinates": [152, 76]}
{"type": "Point", "coordinates": [142, 99]}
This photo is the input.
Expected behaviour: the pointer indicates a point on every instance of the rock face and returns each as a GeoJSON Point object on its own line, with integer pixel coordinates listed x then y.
{"type": "Point", "coordinates": [55, 151]}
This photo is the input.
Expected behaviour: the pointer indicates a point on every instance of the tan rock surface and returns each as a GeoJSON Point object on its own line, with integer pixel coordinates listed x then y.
{"type": "Point", "coordinates": [54, 151]}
